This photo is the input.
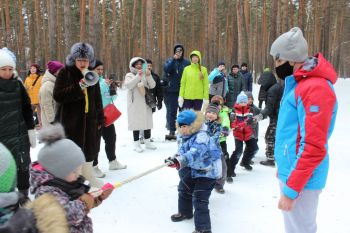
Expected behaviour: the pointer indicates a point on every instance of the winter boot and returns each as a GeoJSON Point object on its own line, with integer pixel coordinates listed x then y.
{"type": "Point", "coordinates": [98, 173]}
{"type": "Point", "coordinates": [206, 231]}
{"type": "Point", "coordinates": [115, 165]}
{"type": "Point", "coordinates": [88, 173]}
{"type": "Point", "coordinates": [229, 180]}
{"type": "Point", "coordinates": [138, 147]}
{"type": "Point", "coordinates": [171, 136]}
{"type": "Point", "coordinates": [180, 217]}
{"type": "Point", "coordinates": [248, 167]}
{"type": "Point", "coordinates": [23, 197]}
{"type": "Point", "coordinates": [251, 162]}
{"type": "Point", "coordinates": [220, 190]}
{"type": "Point", "coordinates": [149, 144]}
{"type": "Point", "coordinates": [268, 162]}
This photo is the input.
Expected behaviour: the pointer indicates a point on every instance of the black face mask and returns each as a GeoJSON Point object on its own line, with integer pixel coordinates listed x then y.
{"type": "Point", "coordinates": [284, 70]}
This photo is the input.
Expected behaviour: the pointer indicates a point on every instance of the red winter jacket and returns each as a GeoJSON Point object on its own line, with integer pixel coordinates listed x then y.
{"type": "Point", "coordinates": [242, 130]}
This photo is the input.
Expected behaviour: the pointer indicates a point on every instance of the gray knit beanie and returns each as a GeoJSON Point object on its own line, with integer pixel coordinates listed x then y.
{"type": "Point", "coordinates": [59, 156]}
{"type": "Point", "coordinates": [290, 46]}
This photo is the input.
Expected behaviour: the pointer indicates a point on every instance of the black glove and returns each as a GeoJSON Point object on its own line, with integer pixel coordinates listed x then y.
{"type": "Point", "coordinates": [159, 105]}
{"type": "Point", "coordinates": [172, 162]}
{"type": "Point", "coordinates": [250, 120]}
{"type": "Point", "coordinates": [232, 116]}
{"type": "Point", "coordinates": [225, 131]}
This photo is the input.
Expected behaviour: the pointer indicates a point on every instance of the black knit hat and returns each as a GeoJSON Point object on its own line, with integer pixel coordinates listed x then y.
{"type": "Point", "coordinates": [234, 66]}
{"type": "Point", "coordinates": [97, 63]}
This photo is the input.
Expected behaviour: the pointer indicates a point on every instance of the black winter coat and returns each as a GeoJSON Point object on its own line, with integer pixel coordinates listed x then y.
{"type": "Point", "coordinates": [80, 127]}
{"type": "Point", "coordinates": [16, 118]}
{"type": "Point", "coordinates": [157, 90]}
{"type": "Point", "coordinates": [235, 86]}
{"type": "Point", "coordinates": [274, 92]}
{"type": "Point", "coordinates": [173, 71]}
{"type": "Point", "coordinates": [255, 126]}
{"type": "Point", "coordinates": [262, 92]}
{"type": "Point", "coordinates": [248, 80]}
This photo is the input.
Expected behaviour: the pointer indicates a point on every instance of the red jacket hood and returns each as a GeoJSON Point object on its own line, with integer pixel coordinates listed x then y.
{"type": "Point", "coordinates": [323, 69]}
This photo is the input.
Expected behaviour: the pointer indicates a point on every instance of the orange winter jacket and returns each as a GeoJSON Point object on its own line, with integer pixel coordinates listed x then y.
{"type": "Point", "coordinates": [33, 90]}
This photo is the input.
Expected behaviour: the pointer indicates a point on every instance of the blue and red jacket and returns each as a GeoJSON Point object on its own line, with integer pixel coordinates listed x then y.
{"type": "Point", "coordinates": [241, 129]}
{"type": "Point", "coordinates": [305, 122]}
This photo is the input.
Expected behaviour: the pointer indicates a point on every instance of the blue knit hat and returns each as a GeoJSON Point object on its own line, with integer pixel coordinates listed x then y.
{"type": "Point", "coordinates": [186, 117]}
{"type": "Point", "coordinates": [242, 98]}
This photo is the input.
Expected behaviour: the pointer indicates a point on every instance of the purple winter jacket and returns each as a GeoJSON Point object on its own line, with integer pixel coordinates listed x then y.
{"type": "Point", "coordinates": [77, 217]}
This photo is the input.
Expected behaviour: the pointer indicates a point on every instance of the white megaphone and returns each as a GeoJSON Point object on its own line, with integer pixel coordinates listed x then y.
{"type": "Point", "coordinates": [90, 77]}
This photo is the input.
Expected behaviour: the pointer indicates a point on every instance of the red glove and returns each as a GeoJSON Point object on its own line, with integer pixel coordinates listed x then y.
{"type": "Point", "coordinates": [173, 163]}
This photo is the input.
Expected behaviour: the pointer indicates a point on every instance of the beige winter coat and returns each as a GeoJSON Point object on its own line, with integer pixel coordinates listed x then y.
{"type": "Point", "coordinates": [139, 114]}
{"type": "Point", "coordinates": [47, 103]}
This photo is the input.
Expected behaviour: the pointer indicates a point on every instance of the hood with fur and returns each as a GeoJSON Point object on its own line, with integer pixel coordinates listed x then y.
{"type": "Point", "coordinates": [196, 125]}
{"type": "Point", "coordinates": [316, 66]}
{"type": "Point", "coordinates": [132, 61]}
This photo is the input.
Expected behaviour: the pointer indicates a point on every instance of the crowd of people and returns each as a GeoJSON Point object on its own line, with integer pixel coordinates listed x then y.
{"type": "Point", "coordinates": [66, 106]}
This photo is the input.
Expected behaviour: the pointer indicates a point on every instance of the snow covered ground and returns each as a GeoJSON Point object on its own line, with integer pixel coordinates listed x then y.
{"type": "Point", "coordinates": [249, 204]}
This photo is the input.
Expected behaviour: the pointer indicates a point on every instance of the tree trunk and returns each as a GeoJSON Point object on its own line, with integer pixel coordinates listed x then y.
{"type": "Point", "coordinates": [51, 6]}
{"type": "Point", "coordinates": [21, 49]}
{"type": "Point", "coordinates": [92, 33]}
{"type": "Point", "coordinates": [301, 15]}
{"type": "Point", "coordinates": [149, 29]}
{"type": "Point", "coordinates": [31, 30]}
{"type": "Point", "coordinates": [8, 39]}
{"type": "Point", "coordinates": [38, 31]}
{"type": "Point", "coordinates": [67, 25]}
{"type": "Point", "coordinates": [82, 19]}
{"type": "Point", "coordinates": [59, 37]}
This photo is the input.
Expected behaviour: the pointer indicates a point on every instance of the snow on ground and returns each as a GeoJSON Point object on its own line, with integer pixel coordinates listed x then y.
{"type": "Point", "coordinates": [249, 204]}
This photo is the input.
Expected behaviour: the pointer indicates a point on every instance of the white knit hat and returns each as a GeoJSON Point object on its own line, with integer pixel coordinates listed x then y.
{"type": "Point", "coordinates": [290, 46]}
{"type": "Point", "coordinates": [7, 58]}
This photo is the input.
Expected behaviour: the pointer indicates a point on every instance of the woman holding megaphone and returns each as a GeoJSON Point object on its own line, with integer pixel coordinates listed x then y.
{"type": "Point", "coordinates": [137, 81]}
{"type": "Point", "coordinates": [80, 111]}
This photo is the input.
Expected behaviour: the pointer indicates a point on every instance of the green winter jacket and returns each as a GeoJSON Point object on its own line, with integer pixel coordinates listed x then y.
{"type": "Point", "coordinates": [235, 86]}
{"type": "Point", "coordinates": [192, 87]}
{"type": "Point", "coordinates": [225, 120]}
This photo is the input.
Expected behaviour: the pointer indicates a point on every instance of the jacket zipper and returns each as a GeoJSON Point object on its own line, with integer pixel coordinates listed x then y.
{"type": "Point", "coordinates": [286, 153]}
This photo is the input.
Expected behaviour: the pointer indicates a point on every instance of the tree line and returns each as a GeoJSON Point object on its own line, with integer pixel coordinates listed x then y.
{"type": "Point", "coordinates": [234, 31]}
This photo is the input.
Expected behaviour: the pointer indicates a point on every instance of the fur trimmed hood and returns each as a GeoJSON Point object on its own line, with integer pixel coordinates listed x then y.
{"type": "Point", "coordinates": [49, 214]}
{"type": "Point", "coordinates": [132, 61]}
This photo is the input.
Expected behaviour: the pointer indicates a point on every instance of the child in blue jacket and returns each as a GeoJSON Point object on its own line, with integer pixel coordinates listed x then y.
{"type": "Point", "coordinates": [199, 163]}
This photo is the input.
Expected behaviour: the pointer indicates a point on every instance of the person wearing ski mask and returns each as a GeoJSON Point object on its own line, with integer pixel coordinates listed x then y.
{"type": "Point", "coordinates": [305, 123]}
